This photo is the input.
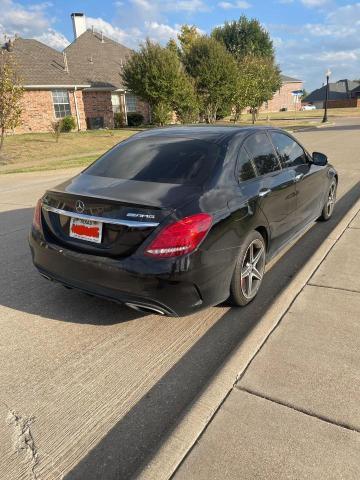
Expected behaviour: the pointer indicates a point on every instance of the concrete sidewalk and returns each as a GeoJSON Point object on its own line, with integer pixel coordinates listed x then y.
{"type": "Point", "coordinates": [295, 412]}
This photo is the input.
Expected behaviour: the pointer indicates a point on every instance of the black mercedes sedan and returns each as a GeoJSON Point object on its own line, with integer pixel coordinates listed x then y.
{"type": "Point", "coordinates": [176, 219]}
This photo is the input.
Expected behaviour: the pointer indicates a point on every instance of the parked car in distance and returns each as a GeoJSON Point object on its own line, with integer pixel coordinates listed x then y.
{"type": "Point", "coordinates": [173, 220]}
{"type": "Point", "coordinates": [308, 107]}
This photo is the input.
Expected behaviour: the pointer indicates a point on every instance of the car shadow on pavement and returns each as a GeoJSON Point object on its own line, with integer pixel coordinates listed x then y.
{"type": "Point", "coordinates": [23, 289]}
{"type": "Point", "coordinates": [131, 443]}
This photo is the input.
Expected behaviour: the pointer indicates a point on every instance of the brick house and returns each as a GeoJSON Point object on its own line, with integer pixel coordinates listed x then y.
{"type": "Point", "coordinates": [283, 98]}
{"type": "Point", "coordinates": [83, 81]}
{"type": "Point", "coordinates": [343, 93]}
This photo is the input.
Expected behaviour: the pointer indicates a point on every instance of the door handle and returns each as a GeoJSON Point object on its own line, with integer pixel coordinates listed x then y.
{"type": "Point", "coordinates": [299, 177]}
{"type": "Point", "coordinates": [264, 192]}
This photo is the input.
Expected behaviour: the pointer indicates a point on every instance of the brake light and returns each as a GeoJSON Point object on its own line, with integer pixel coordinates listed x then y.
{"type": "Point", "coordinates": [37, 215]}
{"type": "Point", "coordinates": [181, 237]}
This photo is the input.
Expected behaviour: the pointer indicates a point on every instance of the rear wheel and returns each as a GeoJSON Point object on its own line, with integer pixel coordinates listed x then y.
{"type": "Point", "coordinates": [330, 202]}
{"type": "Point", "coordinates": [249, 270]}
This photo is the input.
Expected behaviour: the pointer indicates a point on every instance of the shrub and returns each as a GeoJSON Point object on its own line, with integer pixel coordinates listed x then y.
{"type": "Point", "coordinates": [135, 119]}
{"type": "Point", "coordinates": [119, 120]}
{"type": "Point", "coordinates": [161, 114]}
{"type": "Point", "coordinates": [68, 124]}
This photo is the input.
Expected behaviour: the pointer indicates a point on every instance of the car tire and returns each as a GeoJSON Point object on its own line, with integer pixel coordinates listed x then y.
{"type": "Point", "coordinates": [249, 270]}
{"type": "Point", "coordinates": [329, 205]}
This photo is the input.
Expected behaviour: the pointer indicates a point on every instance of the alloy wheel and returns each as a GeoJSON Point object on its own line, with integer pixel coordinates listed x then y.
{"type": "Point", "coordinates": [331, 199]}
{"type": "Point", "coordinates": [252, 268]}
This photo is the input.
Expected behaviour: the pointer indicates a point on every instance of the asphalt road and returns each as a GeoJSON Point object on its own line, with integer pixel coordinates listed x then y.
{"type": "Point", "coordinates": [89, 389]}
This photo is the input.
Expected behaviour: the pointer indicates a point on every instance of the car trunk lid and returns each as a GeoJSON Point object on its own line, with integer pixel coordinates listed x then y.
{"type": "Point", "coordinates": [128, 211]}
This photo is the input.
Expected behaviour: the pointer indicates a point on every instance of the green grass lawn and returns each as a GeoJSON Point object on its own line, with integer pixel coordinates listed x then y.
{"type": "Point", "coordinates": [293, 120]}
{"type": "Point", "coordinates": [39, 151]}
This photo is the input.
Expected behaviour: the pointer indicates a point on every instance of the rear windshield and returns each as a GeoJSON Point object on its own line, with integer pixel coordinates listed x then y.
{"type": "Point", "coordinates": [159, 159]}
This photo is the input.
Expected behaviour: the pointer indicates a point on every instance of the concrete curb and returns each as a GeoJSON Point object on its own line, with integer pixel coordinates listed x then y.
{"type": "Point", "coordinates": [201, 411]}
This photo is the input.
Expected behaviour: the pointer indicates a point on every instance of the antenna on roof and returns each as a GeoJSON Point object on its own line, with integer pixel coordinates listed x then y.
{"type": "Point", "coordinates": [66, 66]}
{"type": "Point", "coordinates": [92, 29]}
{"type": "Point", "coordinates": [102, 37]}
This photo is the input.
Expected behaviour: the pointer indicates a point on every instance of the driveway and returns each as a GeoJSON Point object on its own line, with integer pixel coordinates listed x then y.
{"type": "Point", "coordinates": [89, 389]}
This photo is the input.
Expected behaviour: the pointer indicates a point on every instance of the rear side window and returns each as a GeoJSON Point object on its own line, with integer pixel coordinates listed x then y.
{"type": "Point", "coordinates": [159, 159]}
{"type": "Point", "coordinates": [245, 168]}
{"type": "Point", "coordinates": [262, 153]}
{"type": "Point", "coordinates": [290, 152]}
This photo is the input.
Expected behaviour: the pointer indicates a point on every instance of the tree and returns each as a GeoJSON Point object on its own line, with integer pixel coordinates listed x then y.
{"type": "Point", "coordinates": [257, 81]}
{"type": "Point", "coordinates": [161, 113]}
{"type": "Point", "coordinates": [156, 75]}
{"type": "Point", "coordinates": [186, 102]}
{"type": "Point", "coordinates": [245, 37]}
{"type": "Point", "coordinates": [259, 76]}
{"type": "Point", "coordinates": [173, 47]}
{"type": "Point", "coordinates": [187, 36]}
{"type": "Point", "coordinates": [11, 94]}
{"type": "Point", "coordinates": [304, 94]}
{"type": "Point", "coordinates": [214, 72]}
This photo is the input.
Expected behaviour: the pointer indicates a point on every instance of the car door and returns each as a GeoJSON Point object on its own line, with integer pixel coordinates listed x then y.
{"type": "Point", "coordinates": [276, 192]}
{"type": "Point", "coordinates": [308, 177]}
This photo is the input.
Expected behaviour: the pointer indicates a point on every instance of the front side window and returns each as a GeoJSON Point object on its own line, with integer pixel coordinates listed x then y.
{"type": "Point", "coordinates": [245, 168]}
{"type": "Point", "coordinates": [262, 153]}
{"type": "Point", "coordinates": [290, 152]}
{"type": "Point", "coordinates": [159, 159]}
{"type": "Point", "coordinates": [61, 103]}
{"type": "Point", "coordinates": [131, 102]}
{"type": "Point", "coordinates": [115, 101]}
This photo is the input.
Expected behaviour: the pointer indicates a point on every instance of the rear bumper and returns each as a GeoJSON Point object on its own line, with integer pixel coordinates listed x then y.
{"type": "Point", "coordinates": [174, 294]}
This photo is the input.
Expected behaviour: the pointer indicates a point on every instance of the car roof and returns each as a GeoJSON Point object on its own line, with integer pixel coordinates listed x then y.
{"type": "Point", "coordinates": [215, 134]}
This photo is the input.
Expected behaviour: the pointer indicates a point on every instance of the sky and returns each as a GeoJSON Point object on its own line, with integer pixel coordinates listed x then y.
{"type": "Point", "coordinates": [309, 36]}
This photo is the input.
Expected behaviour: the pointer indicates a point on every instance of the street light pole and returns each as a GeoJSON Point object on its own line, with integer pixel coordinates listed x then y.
{"type": "Point", "coordinates": [325, 119]}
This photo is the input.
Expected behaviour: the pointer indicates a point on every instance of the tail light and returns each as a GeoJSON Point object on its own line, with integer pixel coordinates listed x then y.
{"type": "Point", "coordinates": [37, 215]}
{"type": "Point", "coordinates": [181, 237]}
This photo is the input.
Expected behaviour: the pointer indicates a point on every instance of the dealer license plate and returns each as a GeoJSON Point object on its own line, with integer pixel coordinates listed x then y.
{"type": "Point", "coordinates": [85, 230]}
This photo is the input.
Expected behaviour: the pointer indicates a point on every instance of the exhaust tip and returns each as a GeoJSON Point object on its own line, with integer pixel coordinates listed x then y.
{"type": "Point", "coordinates": [45, 276]}
{"type": "Point", "coordinates": [144, 308]}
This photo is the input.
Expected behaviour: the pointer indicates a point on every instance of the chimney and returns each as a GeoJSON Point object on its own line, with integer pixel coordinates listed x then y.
{"type": "Point", "coordinates": [79, 24]}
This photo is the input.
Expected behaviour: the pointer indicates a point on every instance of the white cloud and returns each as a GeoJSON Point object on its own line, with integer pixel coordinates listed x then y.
{"type": "Point", "coordinates": [29, 22]}
{"type": "Point", "coordinates": [160, 32]}
{"type": "Point", "coordinates": [160, 6]}
{"type": "Point", "coordinates": [131, 37]}
{"type": "Point", "coordinates": [53, 39]}
{"type": "Point", "coordinates": [229, 5]}
{"type": "Point", "coordinates": [144, 4]}
{"type": "Point", "coordinates": [187, 6]}
{"type": "Point", "coordinates": [308, 50]}
{"type": "Point", "coordinates": [314, 3]}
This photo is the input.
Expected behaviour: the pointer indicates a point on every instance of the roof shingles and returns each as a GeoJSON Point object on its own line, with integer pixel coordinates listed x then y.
{"type": "Point", "coordinates": [93, 60]}
{"type": "Point", "coordinates": [38, 64]}
{"type": "Point", "coordinates": [97, 60]}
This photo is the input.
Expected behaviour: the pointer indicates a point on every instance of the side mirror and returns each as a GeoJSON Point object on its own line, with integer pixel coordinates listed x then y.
{"type": "Point", "coordinates": [319, 159]}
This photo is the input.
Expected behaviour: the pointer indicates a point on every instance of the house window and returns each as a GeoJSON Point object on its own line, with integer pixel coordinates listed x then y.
{"type": "Point", "coordinates": [115, 100]}
{"type": "Point", "coordinates": [131, 102]}
{"type": "Point", "coordinates": [61, 103]}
